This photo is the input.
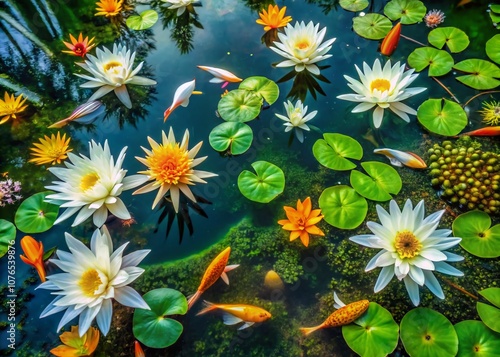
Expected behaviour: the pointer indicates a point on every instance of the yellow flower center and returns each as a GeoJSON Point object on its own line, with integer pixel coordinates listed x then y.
{"type": "Point", "coordinates": [380, 84]}
{"type": "Point", "coordinates": [302, 45]}
{"type": "Point", "coordinates": [407, 245]}
{"type": "Point", "coordinates": [296, 117]}
{"type": "Point", "coordinates": [169, 164]}
{"type": "Point", "coordinates": [90, 282]}
{"type": "Point", "coordinates": [88, 181]}
{"type": "Point", "coordinates": [111, 65]}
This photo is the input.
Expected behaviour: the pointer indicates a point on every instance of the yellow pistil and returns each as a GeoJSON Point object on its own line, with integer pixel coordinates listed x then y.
{"type": "Point", "coordinates": [169, 164]}
{"type": "Point", "coordinates": [491, 113]}
{"type": "Point", "coordinates": [302, 45]}
{"type": "Point", "coordinates": [380, 84]}
{"type": "Point", "coordinates": [90, 282]}
{"type": "Point", "coordinates": [112, 65]}
{"type": "Point", "coordinates": [88, 181]}
{"type": "Point", "coordinates": [407, 245]}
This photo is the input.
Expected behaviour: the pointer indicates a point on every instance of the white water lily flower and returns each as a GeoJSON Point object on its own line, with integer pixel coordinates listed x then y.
{"type": "Point", "coordinates": [302, 45]}
{"type": "Point", "coordinates": [92, 185]}
{"type": "Point", "coordinates": [412, 248]}
{"type": "Point", "coordinates": [112, 71]}
{"type": "Point", "coordinates": [296, 118]}
{"type": "Point", "coordinates": [180, 5]}
{"type": "Point", "coordinates": [383, 87]}
{"type": "Point", "coordinates": [91, 278]}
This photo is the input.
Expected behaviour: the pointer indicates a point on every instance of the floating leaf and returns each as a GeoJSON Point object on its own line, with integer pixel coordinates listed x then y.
{"type": "Point", "coordinates": [490, 314]}
{"type": "Point", "coordinates": [494, 8]}
{"type": "Point", "coordinates": [263, 187]}
{"type": "Point", "coordinates": [152, 327]}
{"type": "Point", "coordinates": [427, 333]}
{"type": "Point", "coordinates": [35, 215]}
{"type": "Point", "coordinates": [372, 26]}
{"type": "Point", "coordinates": [448, 119]}
{"type": "Point", "coordinates": [440, 62]}
{"type": "Point", "coordinates": [7, 234]}
{"type": "Point", "coordinates": [477, 236]}
{"type": "Point", "coordinates": [353, 5]}
{"type": "Point", "coordinates": [239, 105]}
{"type": "Point", "coordinates": [374, 334]}
{"type": "Point", "coordinates": [481, 73]}
{"type": "Point", "coordinates": [475, 339]}
{"type": "Point", "coordinates": [343, 207]}
{"type": "Point", "coordinates": [454, 38]}
{"type": "Point", "coordinates": [493, 48]}
{"type": "Point", "coordinates": [233, 135]}
{"type": "Point", "coordinates": [333, 150]}
{"type": "Point", "coordinates": [143, 21]}
{"type": "Point", "coordinates": [383, 181]}
{"type": "Point", "coordinates": [409, 11]}
{"type": "Point", "coordinates": [262, 86]}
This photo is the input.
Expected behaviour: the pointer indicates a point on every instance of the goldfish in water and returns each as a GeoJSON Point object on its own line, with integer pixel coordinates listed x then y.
{"type": "Point", "coordinates": [181, 97]}
{"type": "Point", "coordinates": [83, 114]}
{"type": "Point", "coordinates": [139, 352]}
{"type": "Point", "coordinates": [236, 313]}
{"type": "Point", "coordinates": [343, 316]}
{"type": "Point", "coordinates": [487, 131]}
{"type": "Point", "coordinates": [400, 158]}
{"type": "Point", "coordinates": [391, 40]}
{"type": "Point", "coordinates": [216, 269]}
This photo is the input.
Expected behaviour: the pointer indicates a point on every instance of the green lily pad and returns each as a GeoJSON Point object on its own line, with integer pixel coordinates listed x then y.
{"type": "Point", "coordinates": [448, 119]}
{"type": "Point", "coordinates": [475, 339]}
{"type": "Point", "coordinates": [477, 236]}
{"type": "Point", "coordinates": [494, 8]}
{"type": "Point", "coordinates": [454, 38]}
{"type": "Point", "coordinates": [7, 235]}
{"type": "Point", "coordinates": [427, 333]}
{"type": "Point", "coordinates": [145, 20]}
{"type": "Point", "coordinates": [490, 315]}
{"type": "Point", "coordinates": [354, 5]}
{"type": "Point", "coordinates": [334, 149]}
{"type": "Point", "coordinates": [383, 181]}
{"type": "Point", "coordinates": [262, 86]}
{"type": "Point", "coordinates": [440, 62]}
{"type": "Point", "coordinates": [481, 75]}
{"type": "Point", "coordinates": [233, 135]}
{"type": "Point", "coordinates": [152, 327]}
{"type": "Point", "coordinates": [409, 11]}
{"type": "Point", "coordinates": [343, 207]}
{"type": "Point", "coordinates": [263, 187]}
{"type": "Point", "coordinates": [35, 215]}
{"type": "Point", "coordinates": [374, 334]}
{"type": "Point", "coordinates": [240, 105]}
{"type": "Point", "coordinates": [493, 48]}
{"type": "Point", "coordinates": [372, 26]}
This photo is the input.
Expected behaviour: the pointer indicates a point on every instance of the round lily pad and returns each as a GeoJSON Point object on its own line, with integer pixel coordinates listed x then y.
{"type": "Point", "coordinates": [493, 48]}
{"type": "Point", "coordinates": [490, 315]}
{"type": "Point", "coordinates": [35, 215]}
{"type": "Point", "coordinates": [454, 38]}
{"type": "Point", "coordinates": [265, 185]}
{"type": "Point", "coordinates": [475, 339]}
{"type": "Point", "coordinates": [334, 149]}
{"type": "Point", "coordinates": [343, 207]}
{"type": "Point", "coordinates": [354, 5]}
{"type": "Point", "coordinates": [427, 333]}
{"type": "Point", "coordinates": [372, 26]}
{"type": "Point", "coordinates": [152, 327]}
{"type": "Point", "coordinates": [442, 116]}
{"type": "Point", "coordinates": [240, 105]}
{"type": "Point", "coordinates": [440, 62]}
{"type": "Point", "coordinates": [481, 75]}
{"type": "Point", "coordinates": [262, 86]}
{"type": "Point", "coordinates": [374, 334]}
{"type": "Point", "coordinates": [143, 21]}
{"type": "Point", "coordinates": [477, 236]}
{"type": "Point", "coordinates": [381, 182]}
{"type": "Point", "coordinates": [409, 11]}
{"type": "Point", "coordinates": [7, 235]}
{"type": "Point", "coordinates": [235, 136]}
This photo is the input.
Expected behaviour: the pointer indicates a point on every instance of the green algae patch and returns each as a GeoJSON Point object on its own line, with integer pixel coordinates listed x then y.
{"type": "Point", "coordinates": [263, 186]}
{"type": "Point", "coordinates": [381, 181]}
{"type": "Point", "coordinates": [439, 62]}
{"type": "Point", "coordinates": [263, 87]}
{"type": "Point", "coordinates": [335, 149]}
{"type": "Point", "coordinates": [489, 314]}
{"type": "Point", "coordinates": [7, 234]}
{"type": "Point", "coordinates": [233, 136]}
{"type": "Point", "coordinates": [343, 207]}
{"type": "Point", "coordinates": [475, 339]}
{"type": "Point", "coordinates": [372, 26]}
{"type": "Point", "coordinates": [354, 5]}
{"type": "Point", "coordinates": [409, 11]}
{"type": "Point", "coordinates": [455, 39]}
{"type": "Point", "coordinates": [35, 215]}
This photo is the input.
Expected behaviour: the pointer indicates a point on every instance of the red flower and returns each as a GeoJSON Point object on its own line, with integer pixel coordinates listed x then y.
{"type": "Point", "coordinates": [80, 47]}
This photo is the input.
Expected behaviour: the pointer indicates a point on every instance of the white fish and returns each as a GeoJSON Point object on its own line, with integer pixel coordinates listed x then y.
{"type": "Point", "coordinates": [220, 75]}
{"type": "Point", "coordinates": [400, 158]}
{"type": "Point", "coordinates": [181, 97]}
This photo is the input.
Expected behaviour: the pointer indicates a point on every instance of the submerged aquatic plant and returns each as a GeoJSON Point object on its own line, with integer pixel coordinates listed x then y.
{"type": "Point", "coordinates": [91, 278]}
{"type": "Point", "coordinates": [302, 221]}
{"type": "Point", "coordinates": [412, 248]}
{"type": "Point", "coordinates": [10, 106]}
{"type": "Point", "coordinates": [296, 118]}
{"type": "Point", "coordinates": [50, 150]}
{"type": "Point", "coordinates": [112, 71]}
{"type": "Point", "coordinates": [9, 191]}
{"type": "Point", "coordinates": [491, 113]}
{"type": "Point", "coordinates": [303, 46]}
{"type": "Point", "coordinates": [79, 47]}
{"type": "Point", "coordinates": [170, 168]}
{"type": "Point", "coordinates": [384, 88]}
{"type": "Point", "coordinates": [180, 5]}
{"type": "Point", "coordinates": [109, 8]}
{"type": "Point", "coordinates": [75, 345]}
{"type": "Point", "coordinates": [434, 18]}
{"type": "Point", "coordinates": [273, 18]}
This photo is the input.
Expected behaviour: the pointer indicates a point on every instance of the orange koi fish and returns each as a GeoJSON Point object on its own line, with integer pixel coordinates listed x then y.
{"type": "Point", "coordinates": [34, 255]}
{"type": "Point", "coordinates": [391, 40]}
{"type": "Point", "coordinates": [487, 131]}
{"type": "Point", "coordinates": [343, 316]}
{"type": "Point", "coordinates": [216, 269]}
{"type": "Point", "coordinates": [83, 114]}
{"type": "Point", "coordinates": [139, 352]}
{"type": "Point", "coordinates": [400, 158]}
{"type": "Point", "coordinates": [233, 314]}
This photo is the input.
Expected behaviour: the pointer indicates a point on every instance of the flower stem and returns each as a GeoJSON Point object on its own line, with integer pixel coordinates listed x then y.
{"type": "Point", "coordinates": [479, 94]}
{"type": "Point", "coordinates": [446, 89]}
{"type": "Point", "coordinates": [412, 40]}
{"type": "Point", "coordinates": [459, 288]}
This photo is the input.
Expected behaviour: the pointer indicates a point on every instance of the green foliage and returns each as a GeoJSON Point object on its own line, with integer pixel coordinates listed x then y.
{"type": "Point", "coordinates": [7, 234]}
{"type": "Point", "coordinates": [453, 37]}
{"type": "Point", "coordinates": [475, 339]}
{"type": "Point", "coordinates": [265, 185]}
{"type": "Point", "coordinates": [381, 181]}
{"type": "Point", "coordinates": [233, 136]}
{"type": "Point", "coordinates": [372, 26]}
{"type": "Point", "coordinates": [335, 149]}
{"type": "Point", "coordinates": [481, 75]}
{"type": "Point", "coordinates": [354, 5]}
{"type": "Point", "coordinates": [409, 11]}
{"type": "Point", "coordinates": [440, 62]}
{"type": "Point", "coordinates": [343, 207]}
{"type": "Point", "coordinates": [263, 87]}
{"type": "Point", "coordinates": [488, 313]}
{"type": "Point", "coordinates": [239, 105]}
{"type": "Point", "coordinates": [35, 215]}
{"type": "Point", "coordinates": [143, 21]}
{"type": "Point", "coordinates": [442, 116]}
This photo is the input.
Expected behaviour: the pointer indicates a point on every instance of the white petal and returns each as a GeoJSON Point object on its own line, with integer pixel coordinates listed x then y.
{"type": "Point", "coordinates": [131, 298]}
{"type": "Point", "coordinates": [103, 318]}
{"type": "Point", "coordinates": [413, 291]}
{"type": "Point", "coordinates": [385, 276]}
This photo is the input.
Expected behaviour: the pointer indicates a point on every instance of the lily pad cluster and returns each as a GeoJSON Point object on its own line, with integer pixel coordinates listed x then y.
{"type": "Point", "coordinates": [490, 314]}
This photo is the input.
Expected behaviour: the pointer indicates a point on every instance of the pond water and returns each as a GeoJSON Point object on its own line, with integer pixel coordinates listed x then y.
{"type": "Point", "coordinates": [223, 34]}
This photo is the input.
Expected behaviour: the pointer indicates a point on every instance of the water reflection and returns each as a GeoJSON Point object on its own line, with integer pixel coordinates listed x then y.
{"type": "Point", "coordinates": [304, 82]}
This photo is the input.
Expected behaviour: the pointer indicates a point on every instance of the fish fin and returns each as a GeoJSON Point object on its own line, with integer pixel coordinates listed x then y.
{"type": "Point", "coordinates": [246, 325]}
{"type": "Point", "coordinates": [216, 80]}
{"type": "Point", "coordinates": [192, 299]}
{"type": "Point", "coordinates": [229, 319]}
{"type": "Point", "coordinates": [208, 307]}
{"type": "Point", "coordinates": [423, 165]}
{"type": "Point", "coordinates": [59, 124]}
{"type": "Point", "coordinates": [308, 330]}
{"type": "Point", "coordinates": [224, 278]}
{"type": "Point", "coordinates": [230, 267]}
{"type": "Point", "coordinates": [185, 103]}
{"type": "Point", "coordinates": [91, 117]}
{"type": "Point", "coordinates": [395, 162]}
{"type": "Point", "coordinates": [338, 303]}
{"type": "Point", "coordinates": [166, 114]}
{"type": "Point", "coordinates": [225, 85]}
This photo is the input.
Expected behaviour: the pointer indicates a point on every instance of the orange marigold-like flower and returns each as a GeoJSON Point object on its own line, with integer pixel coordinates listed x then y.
{"type": "Point", "coordinates": [302, 221]}
{"type": "Point", "coordinates": [109, 8]}
{"type": "Point", "coordinates": [273, 18]}
{"type": "Point", "coordinates": [11, 106]}
{"type": "Point", "coordinates": [50, 150]}
{"type": "Point", "coordinates": [79, 47]}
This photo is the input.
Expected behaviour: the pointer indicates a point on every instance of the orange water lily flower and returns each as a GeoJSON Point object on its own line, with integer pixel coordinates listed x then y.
{"type": "Point", "coordinates": [10, 106]}
{"type": "Point", "coordinates": [50, 150]}
{"type": "Point", "coordinates": [109, 8]}
{"type": "Point", "coordinates": [273, 18]}
{"type": "Point", "coordinates": [79, 47]}
{"type": "Point", "coordinates": [302, 221]}
{"type": "Point", "coordinates": [74, 345]}
{"type": "Point", "coordinates": [33, 251]}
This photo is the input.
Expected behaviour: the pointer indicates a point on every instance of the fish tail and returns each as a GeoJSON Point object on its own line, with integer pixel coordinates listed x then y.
{"type": "Point", "coordinates": [59, 124]}
{"type": "Point", "coordinates": [308, 330]}
{"type": "Point", "coordinates": [166, 114]}
{"type": "Point", "coordinates": [192, 299]}
{"type": "Point", "coordinates": [208, 307]}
